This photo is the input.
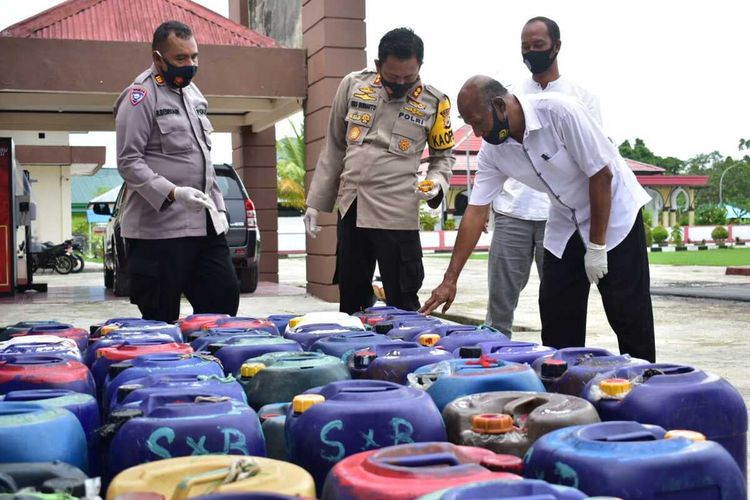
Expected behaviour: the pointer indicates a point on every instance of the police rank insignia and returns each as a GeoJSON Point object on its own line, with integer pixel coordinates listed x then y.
{"type": "Point", "coordinates": [354, 133]}
{"type": "Point", "coordinates": [404, 144]}
{"type": "Point", "coordinates": [366, 94]}
{"type": "Point", "coordinates": [377, 80]}
{"type": "Point", "coordinates": [417, 92]}
{"type": "Point", "coordinates": [137, 94]}
{"type": "Point", "coordinates": [159, 80]}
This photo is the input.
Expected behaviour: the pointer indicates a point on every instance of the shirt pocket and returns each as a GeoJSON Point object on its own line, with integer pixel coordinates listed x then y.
{"type": "Point", "coordinates": [207, 129]}
{"type": "Point", "coordinates": [407, 138]}
{"type": "Point", "coordinates": [175, 137]}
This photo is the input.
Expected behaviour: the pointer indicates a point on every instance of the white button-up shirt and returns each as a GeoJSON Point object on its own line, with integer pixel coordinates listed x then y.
{"type": "Point", "coordinates": [562, 147]}
{"type": "Point", "coordinates": [516, 199]}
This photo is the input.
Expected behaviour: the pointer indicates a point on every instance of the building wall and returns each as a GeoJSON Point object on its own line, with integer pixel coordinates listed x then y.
{"type": "Point", "coordinates": [50, 187]}
{"type": "Point", "coordinates": [50, 190]}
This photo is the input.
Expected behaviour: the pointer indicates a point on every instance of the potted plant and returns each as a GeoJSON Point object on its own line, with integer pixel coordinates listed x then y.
{"type": "Point", "coordinates": [649, 236]}
{"type": "Point", "coordinates": [427, 220]}
{"type": "Point", "coordinates": [720, 235]}
{"type": "Point", "coordinates": [449, 224]}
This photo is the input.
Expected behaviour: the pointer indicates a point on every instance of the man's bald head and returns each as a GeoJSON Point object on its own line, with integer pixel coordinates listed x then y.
{"type": "Point", "coordinates": [481, 88]}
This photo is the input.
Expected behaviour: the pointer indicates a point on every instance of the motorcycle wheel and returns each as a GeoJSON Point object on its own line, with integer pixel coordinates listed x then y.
{"type": "Point", "coordinates": [78, 263]}
{"type": "Point", "coordinates": [63, 264]}
{"type": "Point", "coordinates": [34, 264]}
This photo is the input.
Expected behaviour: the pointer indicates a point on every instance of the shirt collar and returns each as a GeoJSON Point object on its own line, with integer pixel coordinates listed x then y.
{"type": "Point", "coordinates": [529, 115]}
{"type": "Point", "coordinates": [155, 72]}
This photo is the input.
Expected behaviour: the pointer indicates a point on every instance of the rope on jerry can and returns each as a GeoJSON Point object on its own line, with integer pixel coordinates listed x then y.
{"type": "Point", "coordinates": [240, 469]}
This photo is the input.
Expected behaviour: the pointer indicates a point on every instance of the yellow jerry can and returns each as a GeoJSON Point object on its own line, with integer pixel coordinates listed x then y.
{"type": "Point", "coordinates": [187, 477]}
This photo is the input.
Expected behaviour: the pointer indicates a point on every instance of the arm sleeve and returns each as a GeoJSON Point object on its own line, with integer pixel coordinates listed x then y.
{"type": "Point", "coordinates": [489, 180]}
{"type": "Point", "coordinates": [325, 182]}
{"type": "Point", "coordinates": [133, 124]}
{"type": "Point", "coordinates": [584, 138]}
{"type": "Point", "coordinates": [440, 145]}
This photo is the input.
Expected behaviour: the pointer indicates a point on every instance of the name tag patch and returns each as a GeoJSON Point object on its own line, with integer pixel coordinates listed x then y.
{"type": "Point", "coordinates": [167, 111]}
{"type": "Point", "coordinates": [362, 105]}
{"type": "Point", "coordinates": [411, 118]}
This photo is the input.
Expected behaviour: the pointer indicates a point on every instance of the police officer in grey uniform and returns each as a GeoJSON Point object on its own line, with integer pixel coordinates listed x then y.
{"type": "Point", "coordinates": [378, 128]}
{"type": "Point", "coordinates": [174, 218]}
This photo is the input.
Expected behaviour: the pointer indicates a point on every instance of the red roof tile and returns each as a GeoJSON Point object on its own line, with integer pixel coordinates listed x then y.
{"type": "Point", "coordinates": [640, 167]}
{"type": "Point", "coordinates": [672, 180]}
{"type": "Point", "coordinates": [133, 21]}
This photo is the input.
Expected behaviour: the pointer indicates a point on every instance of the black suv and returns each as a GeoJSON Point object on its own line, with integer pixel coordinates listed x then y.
{"type": "Point", "coordinates": [243, 236]}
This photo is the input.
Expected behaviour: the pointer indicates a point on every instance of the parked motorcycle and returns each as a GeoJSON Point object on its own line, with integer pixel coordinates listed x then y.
{"type": "Point", "coordinates": [76, 254]}
{"type": "Point", "coordinates": [50, 256]}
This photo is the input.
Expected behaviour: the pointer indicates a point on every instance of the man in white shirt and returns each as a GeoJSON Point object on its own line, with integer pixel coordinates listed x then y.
{"type": "Point", "coordinates": [595, 230]}
{"type": "Point", "coordinates": [520, 212]}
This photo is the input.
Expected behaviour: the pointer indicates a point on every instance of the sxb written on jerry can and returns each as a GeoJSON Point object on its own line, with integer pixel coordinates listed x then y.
{"type": "Point", "coordinates": [355, 415]}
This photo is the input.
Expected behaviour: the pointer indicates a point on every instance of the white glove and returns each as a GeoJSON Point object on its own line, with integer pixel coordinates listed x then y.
{"type": "Point", "coordinates": [426, 195]}
{"type": "Point", "coordinates": [595, 262]}
{"type": "Point", "coordinates": [223, 224]}
{"type": "Point", "coordinates": [192, 198]}
{"type": "Point", "coordinates": [311, 221]}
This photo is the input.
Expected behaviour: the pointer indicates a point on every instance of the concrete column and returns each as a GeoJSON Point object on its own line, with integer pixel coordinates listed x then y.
{"type": "Point", "coordinates": [691, 217]}
{"type": "Point", "coordinates": [254, 158]}
{"type": "Point", "coordinates": [672, 217]}
{"type": "Point", "coordinates": [334, 36]}
{"type": "Point", "coordinates": [665, 217]}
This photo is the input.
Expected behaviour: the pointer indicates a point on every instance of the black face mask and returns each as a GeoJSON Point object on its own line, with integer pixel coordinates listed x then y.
{"type": "Point", "coordinates": [539, 61]}
{"type": "Point", "coordinates": [398, 90]}
{"type": "Point", "coordinates": [178, 76]}
{"type": "Point", "coordinates": [500, 130]}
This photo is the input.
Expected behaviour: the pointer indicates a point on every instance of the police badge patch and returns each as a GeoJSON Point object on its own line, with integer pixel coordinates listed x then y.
{"type": "Point", "coordinates": [137, 94]}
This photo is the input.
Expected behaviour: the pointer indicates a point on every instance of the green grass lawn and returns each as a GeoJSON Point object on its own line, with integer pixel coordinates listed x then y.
{"type": "Point", "coordinates": [738, 256]}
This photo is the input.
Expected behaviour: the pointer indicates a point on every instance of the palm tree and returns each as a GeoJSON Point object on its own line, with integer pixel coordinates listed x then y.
{"type": "Point", "coordinates": [290, 169]}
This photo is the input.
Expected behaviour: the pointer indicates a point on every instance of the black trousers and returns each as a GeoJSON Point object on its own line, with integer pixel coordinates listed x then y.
{"type": "Point", "coordinates": [625, 291]}
{"type": "Point", "coordinates": [399, 257]}
{"type": "Point", "coordinates": [200, 267]}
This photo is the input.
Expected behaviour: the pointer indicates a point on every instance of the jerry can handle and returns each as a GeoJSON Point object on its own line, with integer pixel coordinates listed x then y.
{"type": "Point", "coordinates": [629, 436]}
{"type": "Point", "coordinates": [425, 460]}
{"type": "Point", "coordinates": [238, 470]}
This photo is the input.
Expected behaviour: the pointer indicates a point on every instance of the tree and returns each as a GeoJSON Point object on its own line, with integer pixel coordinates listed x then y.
{"type": "Point", "coordinates": [641, 152]}
{"type": "Point", "coordinates": [290, 169]}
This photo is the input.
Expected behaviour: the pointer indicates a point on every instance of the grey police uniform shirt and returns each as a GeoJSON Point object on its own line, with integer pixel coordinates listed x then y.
{"type": "Point", "coordinates": [163, 141]}
{"type": "Point", "coordinates": [373, 148]}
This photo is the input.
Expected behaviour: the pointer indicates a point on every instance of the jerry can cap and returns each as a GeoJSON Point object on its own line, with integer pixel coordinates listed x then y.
{"type": "Point", "coordinates": [302, 402]}
{"type": "Point", "coordinates": [492, 423]}
{"type": "Point", "coordinates": [107, 329]}
{"type": "Point", "coordinates": [615, 386]}
{"type": "Point", "coordinates": [362, 359]}
{"type": "Point", "coordinates": [691, 435]}
{"type": "Point", "coordinates": [429, 339]}
{"type": "Point", "coordinates": [553, 368]}
{"type": "Point", "coordinates": [248, 370]}
{"type": "Point", "coordinates": [294, 322]}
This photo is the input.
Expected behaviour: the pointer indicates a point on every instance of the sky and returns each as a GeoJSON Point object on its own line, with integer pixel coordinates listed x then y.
{"type": "Point", "coordinates": [674, 73]}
